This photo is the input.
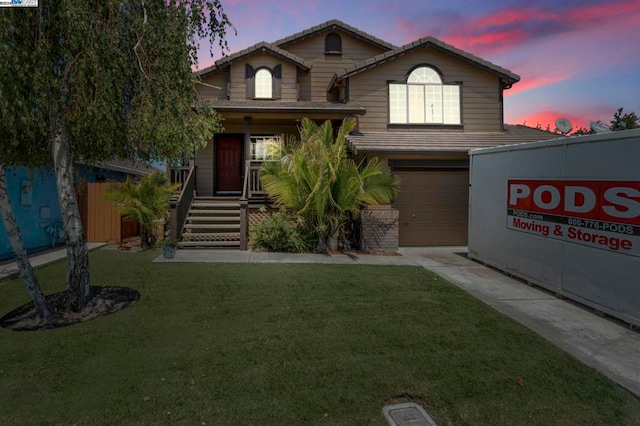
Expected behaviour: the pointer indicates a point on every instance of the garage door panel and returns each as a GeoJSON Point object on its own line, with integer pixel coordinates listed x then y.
{"type": "Point", "coordinates": [433, 207]}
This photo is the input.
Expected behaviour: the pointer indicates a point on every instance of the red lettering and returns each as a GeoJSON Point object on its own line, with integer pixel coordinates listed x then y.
{"type": "Point", "coordinates": [613, 243]}
{"type": "Point", "coordinates": [598, 200]}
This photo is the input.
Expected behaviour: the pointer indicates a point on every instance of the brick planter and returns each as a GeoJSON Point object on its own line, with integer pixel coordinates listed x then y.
{"type": "Point", "coordinates": [379, 228]}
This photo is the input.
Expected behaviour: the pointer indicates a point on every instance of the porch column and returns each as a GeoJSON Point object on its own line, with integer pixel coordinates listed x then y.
{"type": "Point", "coordinates": [247, 139]}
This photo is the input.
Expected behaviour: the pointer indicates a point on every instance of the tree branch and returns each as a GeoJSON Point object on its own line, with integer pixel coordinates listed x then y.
{"type": "Point", "coordinates": [135, 48]}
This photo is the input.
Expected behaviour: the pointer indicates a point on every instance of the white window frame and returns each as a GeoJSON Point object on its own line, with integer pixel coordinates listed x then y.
{"type": "Point", "coordinates": [266, 148]}
{"type": "Point", "coordinates": [263, 84]}
{"type": "Point", "coordinates": [424, 99]}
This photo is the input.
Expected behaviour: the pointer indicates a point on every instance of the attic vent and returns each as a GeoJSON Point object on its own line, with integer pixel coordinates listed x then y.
{"type": "Point", "coordinates": [333, 44]}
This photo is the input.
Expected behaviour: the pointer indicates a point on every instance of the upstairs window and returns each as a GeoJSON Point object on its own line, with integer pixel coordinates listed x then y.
{"type": "Point", "coordinates": [424, 99]}
{"type": "Point", "coordinates": [332, 44]}
{"type": "Point", "coordinates": [263, 82]}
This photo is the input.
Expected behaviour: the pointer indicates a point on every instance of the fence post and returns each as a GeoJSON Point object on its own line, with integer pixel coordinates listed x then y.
{"type": "Point", "coordinates": [244, 221]}
{"type": "Point", "coordinates": [173, 223]}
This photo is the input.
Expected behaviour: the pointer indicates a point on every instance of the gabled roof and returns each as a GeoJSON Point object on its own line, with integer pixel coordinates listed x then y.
{"type": "Point", "coordinates": [443, 142]}
{"type": "Point", "coordinates": [507, 76]}
{"type": "Point", "coordinates": [264, 47]}
{"type": "Point", "coordinates": [334, 24]}
{"type": "Point", "coordinates": [125, 166]}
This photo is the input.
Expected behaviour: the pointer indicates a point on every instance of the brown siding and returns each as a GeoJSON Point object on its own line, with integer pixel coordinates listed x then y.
{"type": "Point", "coordinates": [289, 76]}
{"type": "Point", "coordinates": [204, 170]}
{"type": "Point", "coordinates": [206, 91]}
{"type": "Point", "coordinates": [480, 90]}
{"type": "Point", "coordinates": [304, 85]}
{"type": "Point", "coordinates": [324, 67]}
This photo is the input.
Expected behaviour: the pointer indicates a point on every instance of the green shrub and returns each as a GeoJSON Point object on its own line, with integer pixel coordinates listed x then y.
{"type": "Point", "coordinates": [279, 232]}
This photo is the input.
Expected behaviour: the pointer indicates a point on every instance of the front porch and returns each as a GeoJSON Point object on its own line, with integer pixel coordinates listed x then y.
{"type": "Point", "coordinates": [218, 221]}
{"type": "Point", "coordinates": [229, 165]}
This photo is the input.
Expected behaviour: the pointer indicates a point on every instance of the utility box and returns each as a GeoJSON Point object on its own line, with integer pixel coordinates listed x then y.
{"type": "Point", "coordinates": [563, 214]}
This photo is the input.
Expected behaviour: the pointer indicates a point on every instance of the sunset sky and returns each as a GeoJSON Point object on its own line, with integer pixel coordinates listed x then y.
{"type": "Point", "coordinates": [577, 59]}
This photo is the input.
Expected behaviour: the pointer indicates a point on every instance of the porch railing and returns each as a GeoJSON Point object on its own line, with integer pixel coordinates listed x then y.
{"type": "Point", "coordinates": [180, 175]}
{"type": "Point", "coordinates": [252, 187]}
{"type": "Point", "coordinates": [179, 207]}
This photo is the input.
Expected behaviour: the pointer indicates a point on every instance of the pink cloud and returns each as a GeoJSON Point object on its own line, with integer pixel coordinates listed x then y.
{"type": "Point", "coordinates": [530, 83]}
{"type": "Point", "coordinates": [507, 29]}
{"type": "Point", "coordinates": [578, 117]}
{"type": "Point", "coordinates": [604, 11]}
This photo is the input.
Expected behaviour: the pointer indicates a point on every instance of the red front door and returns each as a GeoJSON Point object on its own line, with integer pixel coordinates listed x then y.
{"type": "Point", "coordinates": [228, 163]}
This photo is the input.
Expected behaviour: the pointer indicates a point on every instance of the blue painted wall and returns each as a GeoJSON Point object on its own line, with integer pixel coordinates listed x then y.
{"type": "Point", "coordinates": [34, 200]}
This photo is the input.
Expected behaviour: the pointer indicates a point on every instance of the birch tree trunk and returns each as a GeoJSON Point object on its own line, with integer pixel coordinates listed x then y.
{"type": "Point", "coordinates": [26, 270]}
{"type": "Point", "coordinates": [78, 284]}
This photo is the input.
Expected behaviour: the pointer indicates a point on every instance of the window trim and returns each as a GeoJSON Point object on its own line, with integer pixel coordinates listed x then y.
{"type": "Point", "coordinates": [276, 81]}
{"type": "Point", "coordinates": [254, 141]}
{"type": "Point", "coordinates": [405, 95]}
{"type": "Point", "coordinates": [335, 41]}
{"type": "Point", "coordinates": [269, 82]}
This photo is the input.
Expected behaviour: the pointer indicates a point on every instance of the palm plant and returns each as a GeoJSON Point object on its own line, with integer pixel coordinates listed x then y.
{"type": "Point", "coordinates": [145, 201]}
{"type": "Point", "coordinates": [316, 179]}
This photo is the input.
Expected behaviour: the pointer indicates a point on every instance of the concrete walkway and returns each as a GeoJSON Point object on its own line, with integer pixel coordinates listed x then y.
{"type": "Point", "coordinates": [607, 345]}
{"type": "Point", "coordinates": [10, 270]}
{"type": "Point", "coordinates": [236, 256]}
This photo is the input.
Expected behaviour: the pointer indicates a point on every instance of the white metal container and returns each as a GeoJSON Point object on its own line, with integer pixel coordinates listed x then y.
{"type": "Point", "coordinates": [563, 214]}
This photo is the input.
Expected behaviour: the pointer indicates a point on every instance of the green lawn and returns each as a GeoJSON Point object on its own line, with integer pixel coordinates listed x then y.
{"type": "Point", "coordinates": [270, 344]}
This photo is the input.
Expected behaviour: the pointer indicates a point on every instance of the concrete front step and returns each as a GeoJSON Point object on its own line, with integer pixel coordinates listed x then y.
{"type": "Point", "coordinates": [215, 204]}
{"type": "Point", "coordinates": [193, 219]}
{"type": "Point", "coordinates": [188, 235]}
{"type": "Point", "coordinates": [212, 223]}
{"type": "Point", "coordinates": [213, 212]}
{"type": "Point", "coordinates": [212, 226]}
{"type": "Point", "coordinates": [208, 244]}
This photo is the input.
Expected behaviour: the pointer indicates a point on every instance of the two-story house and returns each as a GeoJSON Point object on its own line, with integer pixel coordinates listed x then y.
{"type": "Point", "coordinates": [419, 108]}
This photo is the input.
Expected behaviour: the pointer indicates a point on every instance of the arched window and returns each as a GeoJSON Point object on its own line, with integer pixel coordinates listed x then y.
{"type": "Point", "coordinates": [332, 43]}
{"type": "Point", "coordinates": [264, 86]}
{"type": "Point", "coordinates": [424, 99]}
{"type": "Point", "coordinates": [263, 83]}
{"type": "Point", "coordinates": [424, 75]}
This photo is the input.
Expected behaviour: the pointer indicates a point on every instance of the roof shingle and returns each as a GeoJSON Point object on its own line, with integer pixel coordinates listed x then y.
{"type": "Point", "coordinates": [262, 46]}
{"type": "Point", "coordinates": [338, 24]}
{"type": "Point", "coordinates": [443, 142]}
{"type": "Point", "coordinates": [508, 76]}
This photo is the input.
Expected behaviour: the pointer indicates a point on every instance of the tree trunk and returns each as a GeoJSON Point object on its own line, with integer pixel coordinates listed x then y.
{"type": "Point", "coordinates": [78, 284]}
{"type": "Point", "coordinates": [26, 270]}
{"type": "Point", "coordinates": [332, 240]}
{"type": "Point", "coordinates": [144, 237]}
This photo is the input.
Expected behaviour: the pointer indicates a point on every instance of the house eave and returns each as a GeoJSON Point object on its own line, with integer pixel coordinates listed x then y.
{"type": "Point", "coordinates": [507, 77]}
{"type": "Point", "coordinates": [292, 108]}
{"type": "Point", "coordinates": [332, 25]}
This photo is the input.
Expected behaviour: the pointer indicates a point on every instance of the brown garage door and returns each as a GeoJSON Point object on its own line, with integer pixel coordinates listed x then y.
{"type": "Point", "coordinates": [433, 207]}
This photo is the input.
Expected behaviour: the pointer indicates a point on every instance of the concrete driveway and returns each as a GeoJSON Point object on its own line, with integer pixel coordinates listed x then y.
{"type": "Point", "coordinates": [607, 345]}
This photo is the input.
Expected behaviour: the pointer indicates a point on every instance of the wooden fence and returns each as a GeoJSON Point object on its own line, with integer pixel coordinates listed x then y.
{"type": "Point", "coordinates": [101, 221]}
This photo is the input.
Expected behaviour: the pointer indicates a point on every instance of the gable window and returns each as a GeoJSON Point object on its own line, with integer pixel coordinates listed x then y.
{"type": "Point", "coordinates": [332, 44]}
{"type": "Point", "coordinates": [424, 99]}
{"type": "Point", "coordinates": [263, 82]}
{"type": "Point", "coordinates": [265, 148]}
